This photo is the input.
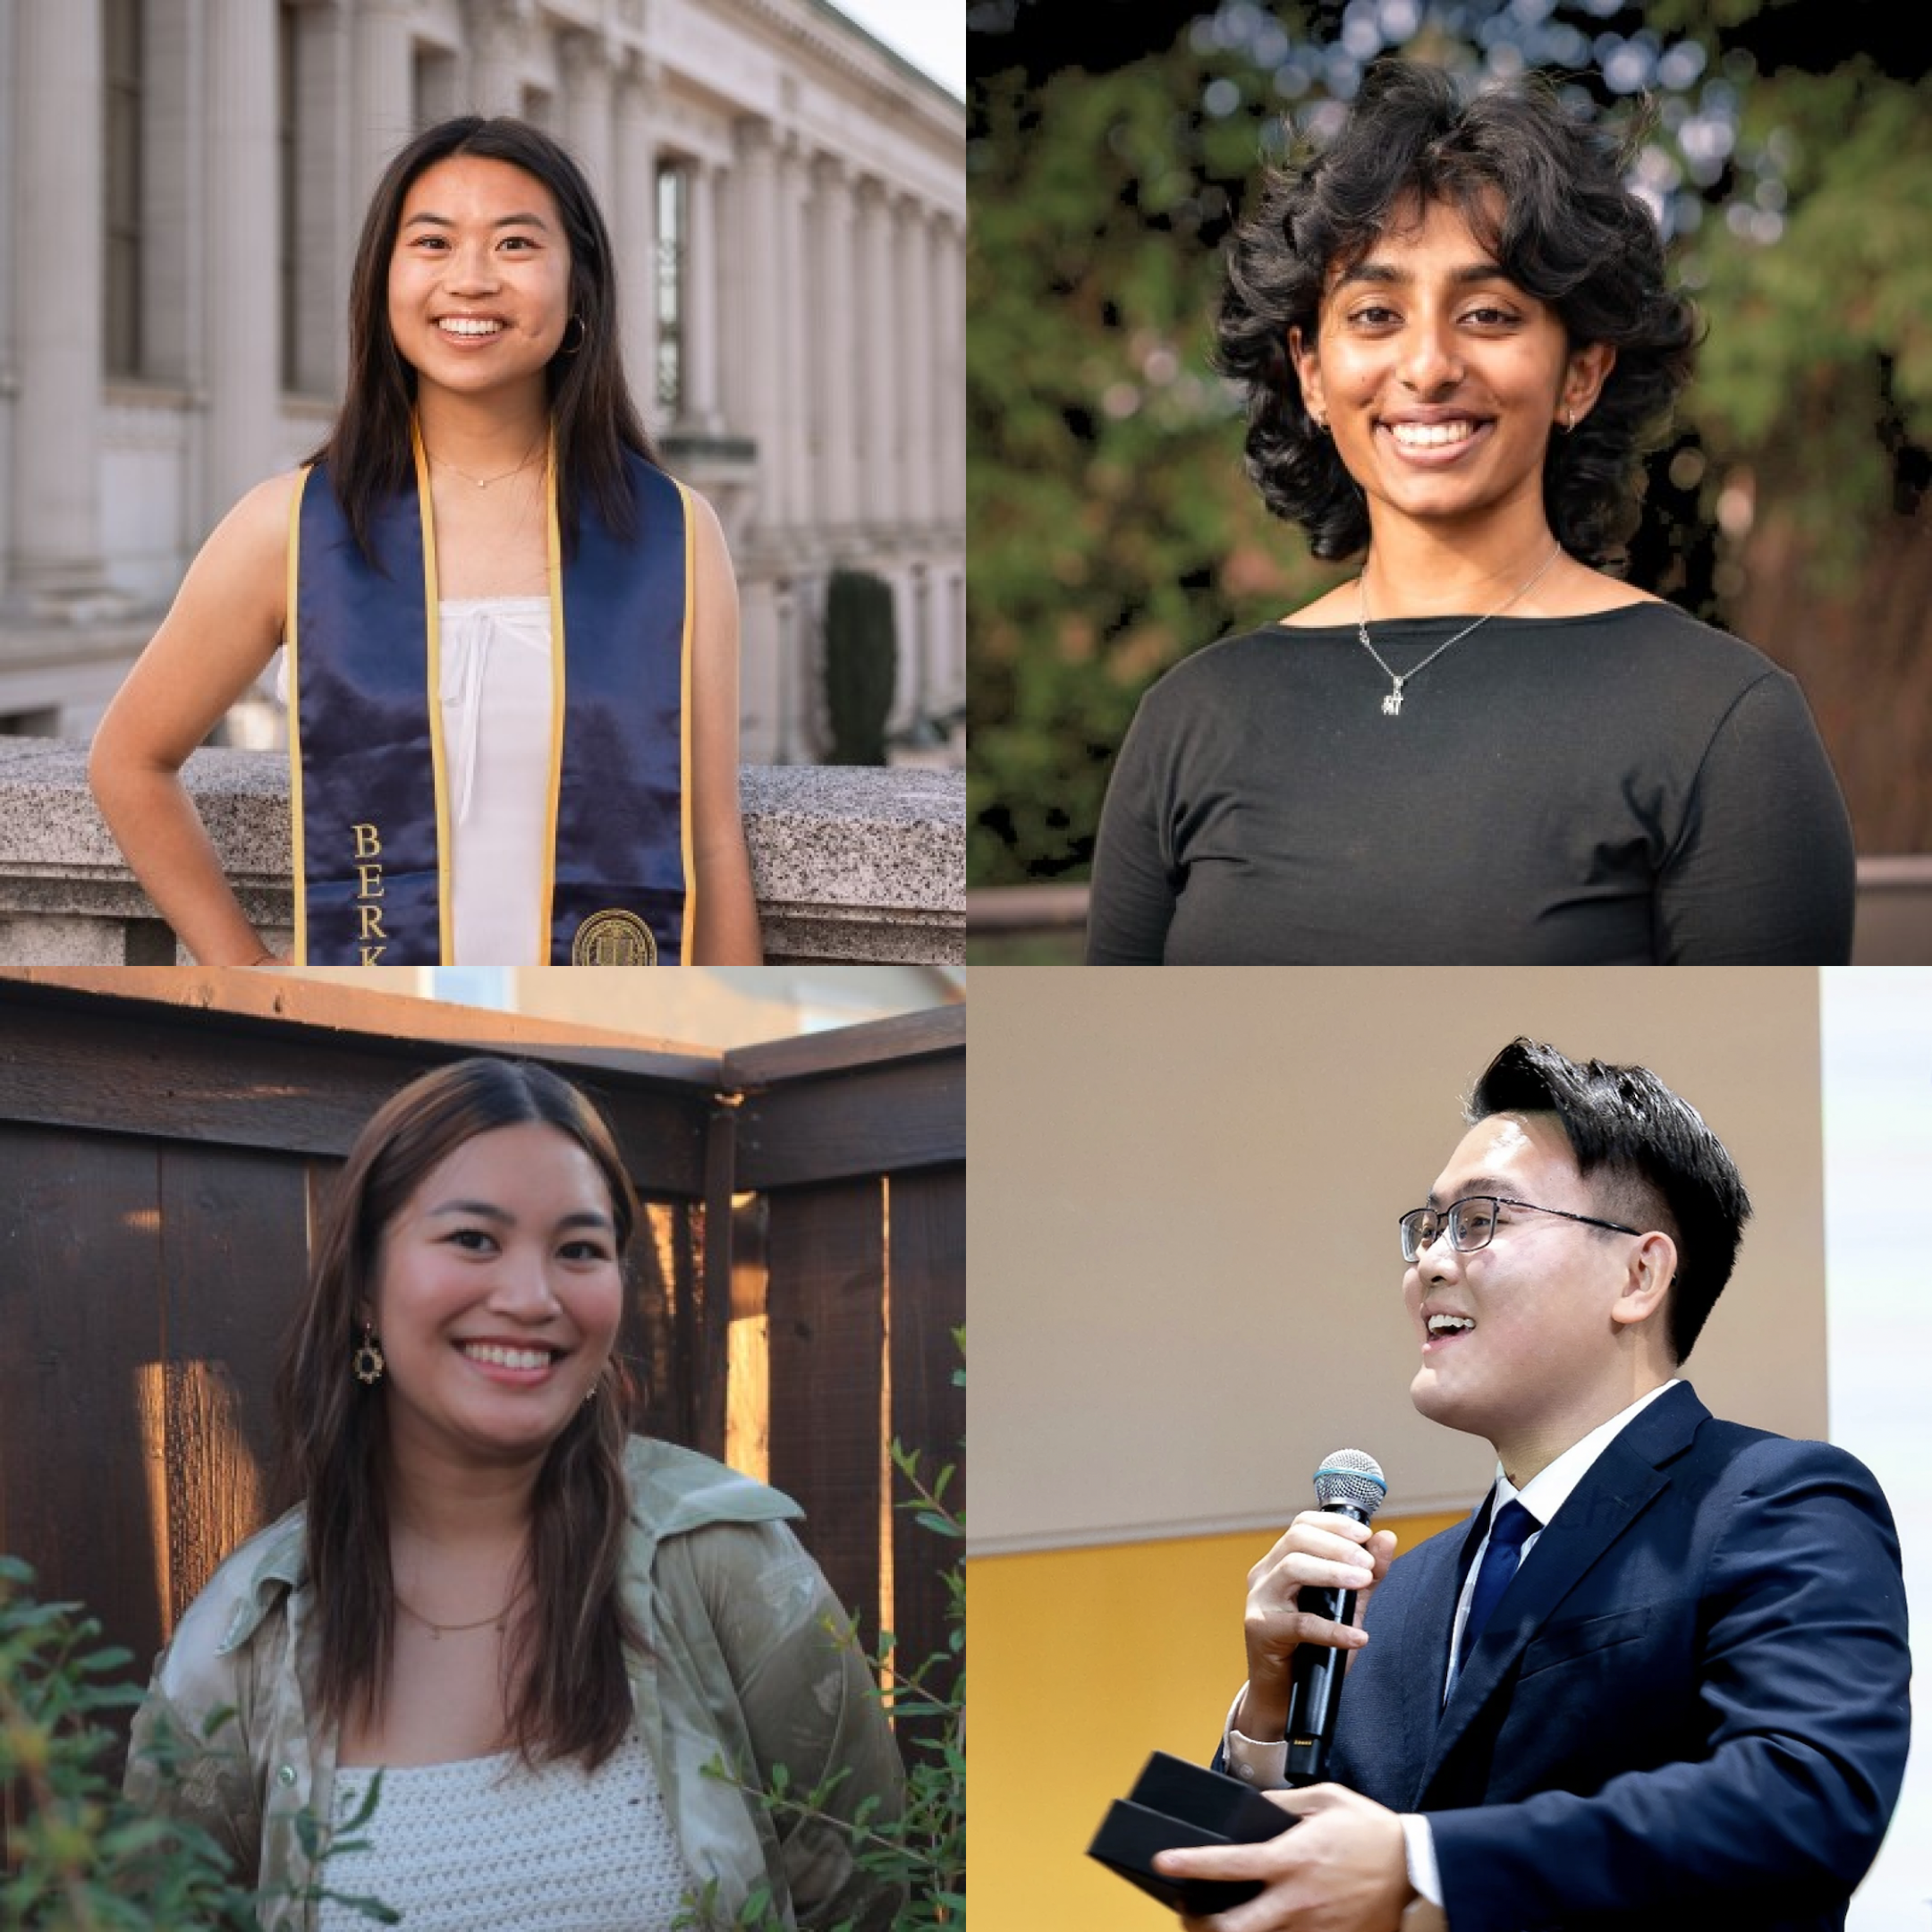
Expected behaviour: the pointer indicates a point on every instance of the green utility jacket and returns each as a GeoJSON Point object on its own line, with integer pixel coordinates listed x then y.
{"type": "Point", "coordinates": [738, 1664]}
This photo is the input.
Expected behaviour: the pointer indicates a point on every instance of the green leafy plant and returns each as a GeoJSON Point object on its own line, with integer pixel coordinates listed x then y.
{"type": "Point", "coordinates": [861, 656]}
{"type": "Point", "coordinates": [924, 1849]}
{"type": "Point", "coordinates": [80, 1857]}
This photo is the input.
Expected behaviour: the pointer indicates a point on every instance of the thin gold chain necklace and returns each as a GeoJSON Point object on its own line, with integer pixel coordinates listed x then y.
{"type": "Point", "coordinates": [485, 482]}
{"type": "Point", "coordinates": [1391, 704]}
{"type": "Point", "coordinates": [438, 1632]}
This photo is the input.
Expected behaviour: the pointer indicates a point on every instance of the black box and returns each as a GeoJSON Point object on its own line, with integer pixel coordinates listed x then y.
{"type": "Point", "coordinates": [1176, 1803]}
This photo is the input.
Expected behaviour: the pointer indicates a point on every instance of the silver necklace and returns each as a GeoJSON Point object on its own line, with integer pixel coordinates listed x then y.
{"type": "Point", "coordinates": [1391, 704]}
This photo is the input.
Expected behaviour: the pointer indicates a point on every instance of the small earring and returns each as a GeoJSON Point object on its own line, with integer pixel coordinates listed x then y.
{"type": "Point", "coordinates": [583, 336]}
{"type": "Point", "coordinates": [369, 1359]}
{"type": "Point", "coordinates": [1320, 422]}
{"type": "Point", "coordinates": [1570, 418]}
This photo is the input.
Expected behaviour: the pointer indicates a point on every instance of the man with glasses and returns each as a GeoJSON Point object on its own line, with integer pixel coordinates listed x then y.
{"type": "Point", "coordinates": [1661, 1676]}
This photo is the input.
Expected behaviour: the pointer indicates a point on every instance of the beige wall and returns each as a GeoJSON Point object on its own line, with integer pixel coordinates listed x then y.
{"type": "Point", "coordinates": [1185, 1280]}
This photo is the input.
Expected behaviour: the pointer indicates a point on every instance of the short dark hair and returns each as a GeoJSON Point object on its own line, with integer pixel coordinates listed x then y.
{"type": "Point", "coordinates": [591, 408]}
{"type": "Point", "coordinates": [1653, 1147]}
{"type": "Point", "coordinates": [1570, 234]}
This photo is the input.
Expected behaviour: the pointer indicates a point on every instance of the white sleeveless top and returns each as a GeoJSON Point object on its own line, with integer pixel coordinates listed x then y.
{"type": "Point", "coordinates": [486, 1843]}
{"type": "Point", "coordinates": [496, 717]}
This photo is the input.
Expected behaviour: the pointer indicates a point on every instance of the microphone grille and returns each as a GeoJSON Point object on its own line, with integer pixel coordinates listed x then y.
{"type": "Point", "coordinates": [1350, 1476]}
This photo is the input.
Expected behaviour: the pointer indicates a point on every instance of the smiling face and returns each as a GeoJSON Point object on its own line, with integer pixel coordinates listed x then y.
{"type": "Point", "coordinates": [1565, 1321]}
{"type": "Point", "coordinates": [479, 277]}
{"type": "Point", "coordinates": [498, 1293]}
{"type": "Point", "coordinates": [1440, 379]}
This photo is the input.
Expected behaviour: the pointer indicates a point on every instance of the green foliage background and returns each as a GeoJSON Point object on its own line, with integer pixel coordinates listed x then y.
{"type": "Point", "coordinates": [1112, 528]}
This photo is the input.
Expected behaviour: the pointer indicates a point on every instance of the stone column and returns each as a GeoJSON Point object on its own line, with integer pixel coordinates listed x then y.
{"type": "Point", "coordinates": [878, 318]}
{"type": "Point", "coordinates": [803, 275]}
{"type": "Point", "coordinates": [703, 407]}
{"type": "Point", "coordinates": [787, 699]}
{"type": "Point", "coordinates": [383, 110]}
{"type": "Point", "coordinates": [326, 222]}
{"type": "Point", "coordinates": [952, 262]}
{"type": "Point", "coordinates": [756, 253]}
{"type": "Point", "coordinates": [243, 360]}
{"type": "Point", "coordinates": [57, 161]}
{"type": "Point", "coordinates": [919, 377]}
{"type": "Point", "coordinates": [916, 659]}
{"type": "Point", "coordinates": [835, 487]}
{"type": "Point", "coordinates": [496, 32]}
{"type": "Point", "coordinates": [588, 132]}
{"type": "Point", "coordinates": [174, 114]}
{"type": "Point", "coordinates": [632, 217]}
{"type": "Point", "coordinates": [759, 696]}
{"type": "Point", "coordinates": [9, 352]}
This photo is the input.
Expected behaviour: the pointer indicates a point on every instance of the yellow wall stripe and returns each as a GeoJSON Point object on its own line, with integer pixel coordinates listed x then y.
{"type": "Point", "coordinates": [1083, 1662]}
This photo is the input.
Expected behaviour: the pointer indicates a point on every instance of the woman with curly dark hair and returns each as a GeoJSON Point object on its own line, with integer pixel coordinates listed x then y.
{"type": "Point", "coordinates": [1456, 338]}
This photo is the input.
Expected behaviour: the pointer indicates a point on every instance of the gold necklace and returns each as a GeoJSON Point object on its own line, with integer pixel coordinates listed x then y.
{"type": "Point", "coordinates": [485, 482]}
{"type": "Point", "coordinates": [1391, 704]}
{"type": "Point", "coordinates": [438, 1632]}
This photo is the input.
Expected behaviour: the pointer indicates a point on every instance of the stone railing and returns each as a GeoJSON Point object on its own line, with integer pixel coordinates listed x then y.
{"type": "Point", "coordinates": [1047, 925]}
{"type": "Point", "coordinates": [850, 863]}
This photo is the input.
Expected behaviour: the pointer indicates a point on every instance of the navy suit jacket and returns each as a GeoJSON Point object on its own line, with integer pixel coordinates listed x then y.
{"type": "Point", "coordinates": [1688, 1707]}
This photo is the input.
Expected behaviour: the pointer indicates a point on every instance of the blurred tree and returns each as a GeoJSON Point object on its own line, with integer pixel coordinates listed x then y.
{"type": "Point", "coordinates": [1113, 529]}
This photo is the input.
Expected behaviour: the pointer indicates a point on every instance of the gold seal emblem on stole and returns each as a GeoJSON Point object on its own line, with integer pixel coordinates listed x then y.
{"type": "Point", "coordinates": [613, 938]}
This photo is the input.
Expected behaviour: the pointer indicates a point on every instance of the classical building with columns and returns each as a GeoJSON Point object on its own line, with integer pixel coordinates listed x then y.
{"type": "Point", "coordinates": [184, 182]}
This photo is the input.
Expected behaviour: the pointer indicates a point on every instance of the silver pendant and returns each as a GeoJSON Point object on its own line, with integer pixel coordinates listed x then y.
{"type": "Point", "coordinates": [1391, 704]}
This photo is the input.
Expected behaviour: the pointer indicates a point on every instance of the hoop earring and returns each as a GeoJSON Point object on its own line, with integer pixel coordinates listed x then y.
{"type": "Point", "coordinates": [369, 1359]}
{"type": "Point", "coordinates": [583, 336]}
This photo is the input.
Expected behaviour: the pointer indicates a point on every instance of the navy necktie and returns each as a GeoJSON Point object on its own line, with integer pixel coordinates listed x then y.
{"type": "Point", "coordinates": [1513, 1524]}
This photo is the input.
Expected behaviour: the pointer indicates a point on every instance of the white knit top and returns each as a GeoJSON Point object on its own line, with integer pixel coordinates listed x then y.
{"type": "Point", "coordinates": [486, 1842]}
{"type": "Point", "coordinates": [496, 714]}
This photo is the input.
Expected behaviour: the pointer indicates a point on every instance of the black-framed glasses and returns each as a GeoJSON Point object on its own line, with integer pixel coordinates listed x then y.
{"type": "Point", "coordinates": [1472, 1223]}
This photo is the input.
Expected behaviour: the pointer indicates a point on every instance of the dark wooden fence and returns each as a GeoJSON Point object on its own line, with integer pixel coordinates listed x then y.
{"type": "Point", "coordinates": [159, 1167]}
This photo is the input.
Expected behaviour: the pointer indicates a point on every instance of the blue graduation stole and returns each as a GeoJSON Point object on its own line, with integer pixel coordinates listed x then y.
{"type": "Point", "coordinates": [368, 774]}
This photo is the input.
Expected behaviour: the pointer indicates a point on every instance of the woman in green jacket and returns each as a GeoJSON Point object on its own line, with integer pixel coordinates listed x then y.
{"type": "Point", "coordinates": [549, 1636]}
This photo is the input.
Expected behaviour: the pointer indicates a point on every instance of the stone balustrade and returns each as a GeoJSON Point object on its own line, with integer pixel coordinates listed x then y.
{"type": "Point", "coordinates": [852, 864]}
{"type": "Point", "coordinates": [1046, 924]}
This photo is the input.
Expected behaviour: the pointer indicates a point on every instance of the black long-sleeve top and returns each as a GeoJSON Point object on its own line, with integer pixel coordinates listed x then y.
{"type": "Point", "coordinates": [1628, 787]}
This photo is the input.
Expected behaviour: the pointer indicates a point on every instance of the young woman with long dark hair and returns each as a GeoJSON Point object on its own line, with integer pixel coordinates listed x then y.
{"type": "Point", "coordinates": [540, 1627]}
{"type": "Point", "coordinates": [512, 638]}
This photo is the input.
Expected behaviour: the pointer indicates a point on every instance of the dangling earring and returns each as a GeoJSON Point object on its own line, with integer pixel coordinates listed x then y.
{"type": "Point", "coordinates": [369, 1359]}
{"type": "Point", "coordinates": [1570, 418]}
{"type": "Point", "coordinates": [583, 336]}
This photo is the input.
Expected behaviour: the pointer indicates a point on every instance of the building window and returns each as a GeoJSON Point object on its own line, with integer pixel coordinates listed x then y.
{"type": "Point", "coordinates": [433, 87]}
{"type": "Point", "coordinates": [670, 284]}
{"type": "Point", "coordinates": [121, 22]}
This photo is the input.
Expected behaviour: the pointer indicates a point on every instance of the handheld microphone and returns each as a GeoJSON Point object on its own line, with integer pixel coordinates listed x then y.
{"type": "Point", "coordinates": [1348, 1483]}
